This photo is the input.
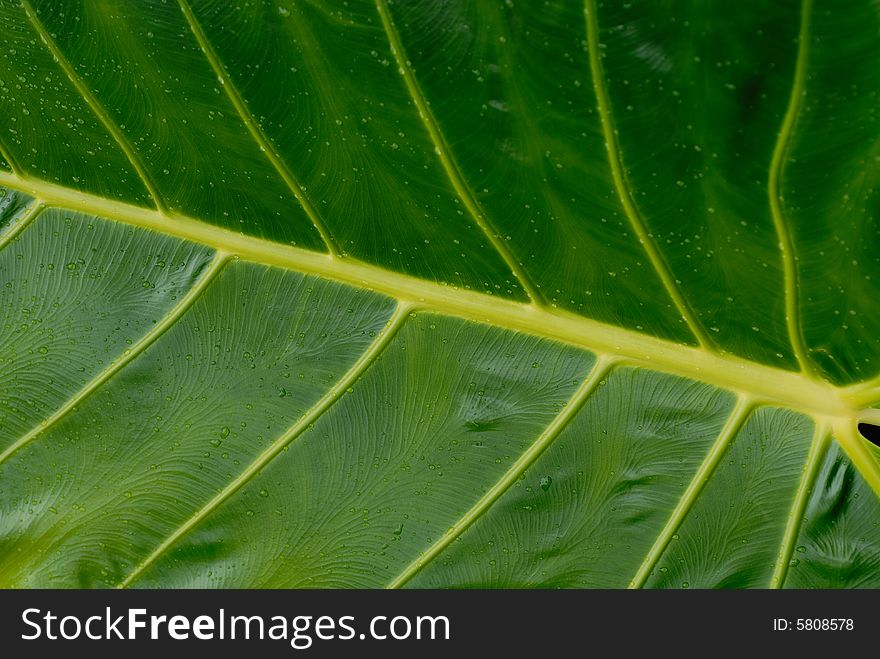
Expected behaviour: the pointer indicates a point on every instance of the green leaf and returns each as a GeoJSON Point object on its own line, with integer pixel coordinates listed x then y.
{"type": "Point", "coordinates": [460, 294]}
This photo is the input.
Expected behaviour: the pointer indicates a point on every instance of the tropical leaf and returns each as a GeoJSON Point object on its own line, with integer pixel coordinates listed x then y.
{"type": "Point", "coordinates": [439, 294]}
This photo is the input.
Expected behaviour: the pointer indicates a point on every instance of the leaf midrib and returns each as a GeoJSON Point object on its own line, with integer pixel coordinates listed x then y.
{"type": "Point", "coordinates": [766, 384]}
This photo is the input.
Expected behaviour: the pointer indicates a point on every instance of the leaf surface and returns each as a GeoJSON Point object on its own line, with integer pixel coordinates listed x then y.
{"type": "Point", "coordinates": [392, 294]}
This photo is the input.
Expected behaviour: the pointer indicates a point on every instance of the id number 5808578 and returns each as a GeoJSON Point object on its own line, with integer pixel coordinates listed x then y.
{"type": "Point", "coordinates": [813, 624]}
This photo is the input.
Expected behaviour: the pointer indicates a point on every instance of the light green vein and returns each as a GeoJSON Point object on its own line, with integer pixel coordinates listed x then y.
{"type": "Point", "coordinates": [255, 131]}
{"type": "Point", "coordinates": [870, 415]}
{"type": "Point", "coordinates": [598, 373]}
{"type": "Point", "coordinates": [7, 156]}
{"type": "Point", "coordinates": [375, 349]}
{"type": "Point", "coordinates": [96, 107]}
{"type": "Point", "coordinates": [786, 242]}
{"type": "Point", "coordinates": [622, 186]}
{"type": "Point", "coordinates": [799, 503]}
{"type": "Point", "coordinates": [19, 225]}
{"type": "Point", "coordinates": [734, 422]}
{"type": "Point", "coordinates": [444, 153]}
{"type": "Point", "coordinates": [847, 435]}
{"type": "Point", "coordinates": [864, 394]}
{"type": "Point", "coordinates": [118, 364]}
